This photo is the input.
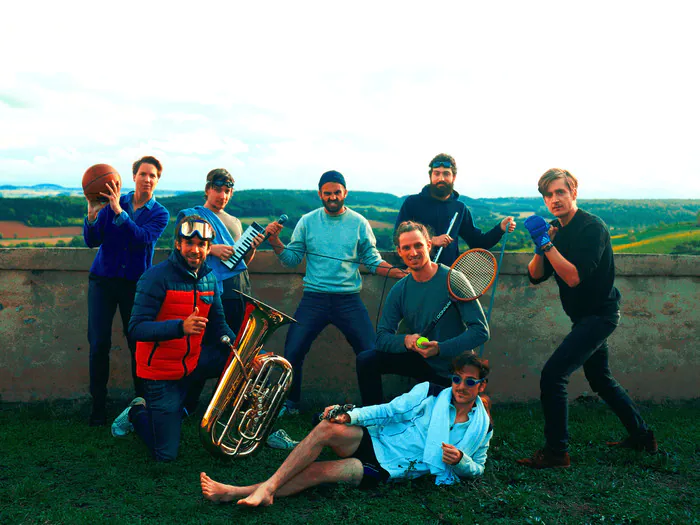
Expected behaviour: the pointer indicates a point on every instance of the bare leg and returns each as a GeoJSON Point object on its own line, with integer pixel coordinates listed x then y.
{"type": "Point", "coordinates": [343, 439]}
{"type": "Point", "coordinates": [221, 493]}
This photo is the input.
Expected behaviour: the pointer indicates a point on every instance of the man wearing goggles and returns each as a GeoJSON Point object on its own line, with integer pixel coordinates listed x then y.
{"type": "Point", "coordinates": [436, 206]}
{"type": "Point", "coordinates": [443, 431]}
{"type": "Point", "coordinates": [177, 321]}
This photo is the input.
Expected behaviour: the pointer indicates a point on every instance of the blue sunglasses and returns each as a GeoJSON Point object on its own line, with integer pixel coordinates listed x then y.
{"type": "Point", "coordinates": [470, 381]}
{"type": "Point", "coordinates": [441, 164]}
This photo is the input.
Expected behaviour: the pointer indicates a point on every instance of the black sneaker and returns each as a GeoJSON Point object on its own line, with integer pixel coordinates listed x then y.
{"type": "Point", "coordinates": [645, 442]}
{"type": "Point", "coordinates": [98, 417]}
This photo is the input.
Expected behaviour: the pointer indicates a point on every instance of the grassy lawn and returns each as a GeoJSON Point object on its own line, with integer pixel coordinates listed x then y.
{"type": "Point", "coordinates": [55, 469]}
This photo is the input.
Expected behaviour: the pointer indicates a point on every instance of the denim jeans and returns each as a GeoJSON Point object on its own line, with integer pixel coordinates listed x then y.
{"type": "Point", "coordinates": [373, 363]}
{"type": "Point", "coordinates": [586, 345]}
{"type": "Point", "coordinates": [159, 424]}
{"type": "Point", "coordinates": [105, 294]}
{"type": "Point", "coordinates": [315, 312]}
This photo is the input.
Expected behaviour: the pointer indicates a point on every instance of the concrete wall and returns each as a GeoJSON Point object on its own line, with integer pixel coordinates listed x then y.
{"type": "Point", "coordinates": [44, 352]}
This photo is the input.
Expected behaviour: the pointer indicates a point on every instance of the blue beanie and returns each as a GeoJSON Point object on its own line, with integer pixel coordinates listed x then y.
{"type": "Point", "coordinates": [332, 176]}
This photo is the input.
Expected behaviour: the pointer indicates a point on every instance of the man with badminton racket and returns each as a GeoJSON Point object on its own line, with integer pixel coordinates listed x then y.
{"type": "Point", "coordinates": [426, 351]}
{"type": "Point", "coordinates": [576, 249]}
{"type": "Point", "coordinates": [335, 240]}
{"type": "Point", "coordinates": [438, 207]}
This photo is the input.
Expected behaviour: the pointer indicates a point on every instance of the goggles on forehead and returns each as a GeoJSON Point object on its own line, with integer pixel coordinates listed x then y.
{"type": "Point", "coordinates": [441, 164]}
{"type": "Point", "coordinates": [470, 381]}
{"type": "Point", "coordinates": [220, 183]}
{"type": "Point", "coordinates": [203, 230]}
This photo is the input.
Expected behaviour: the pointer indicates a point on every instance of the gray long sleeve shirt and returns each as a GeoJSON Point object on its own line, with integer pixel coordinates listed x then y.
{"type": "Point", "coordinates": [463, 327]}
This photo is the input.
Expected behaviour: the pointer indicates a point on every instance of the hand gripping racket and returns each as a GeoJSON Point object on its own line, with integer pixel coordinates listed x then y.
{"type": "Point", "coordinates": [470, 276]}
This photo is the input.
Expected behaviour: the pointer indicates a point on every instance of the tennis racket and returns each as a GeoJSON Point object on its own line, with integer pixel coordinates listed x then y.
{"type": "Point", "coordinates": [470, 277]}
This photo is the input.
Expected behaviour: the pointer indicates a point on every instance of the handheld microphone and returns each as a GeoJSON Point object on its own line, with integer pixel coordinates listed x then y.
{"type": "Point", "coordinates": [283, 218]}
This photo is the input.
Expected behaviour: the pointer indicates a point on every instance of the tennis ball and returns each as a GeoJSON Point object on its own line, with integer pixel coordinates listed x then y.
{"type": "Point", "coordinates": [421, 341]}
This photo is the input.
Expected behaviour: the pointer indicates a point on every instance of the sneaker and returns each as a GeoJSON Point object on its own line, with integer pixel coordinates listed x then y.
{"type": "Point", "coordinates": [288, 411]}
{"type": "Point", "coordinates": [645, 442]}
{"type": "Point", "coordinates": [546, 459]}
{"type": "Point", "coordinates": [122, 426]}
{"type": "Point", "coordinates": [98, 417]}
{"type": "Point", "coordinates": [280, 439]}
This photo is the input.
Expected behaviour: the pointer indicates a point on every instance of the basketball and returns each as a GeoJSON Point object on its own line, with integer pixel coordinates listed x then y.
{"type": "Point", "coordinates": [95, 181]}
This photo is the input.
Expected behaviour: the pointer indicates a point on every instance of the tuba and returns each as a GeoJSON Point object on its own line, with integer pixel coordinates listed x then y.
{"type": "Point", "coordinates": [246, 403]}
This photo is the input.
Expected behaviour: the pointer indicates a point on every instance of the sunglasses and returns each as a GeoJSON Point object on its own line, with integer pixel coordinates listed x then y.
{"type": "Point", "coordinates": [441, 164]}
{"type": "Point", "coordinates": [220, 183]}
{"type": "Point", "coordinates": [470, 381]}
{"type": "Point", "coordinates": [203, 230]}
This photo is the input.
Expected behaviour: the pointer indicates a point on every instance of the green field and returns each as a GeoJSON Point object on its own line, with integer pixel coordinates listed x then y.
{"type": "Point", "coordinates": [658, 239]}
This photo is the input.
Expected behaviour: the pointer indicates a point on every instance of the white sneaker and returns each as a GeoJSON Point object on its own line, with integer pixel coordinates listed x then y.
{"type": "Point", "coordinates": [122, 426]}
{"type": "Point", "coordinates": [288, 411]}
{"type": "Point", "coordinates": [280, 439]}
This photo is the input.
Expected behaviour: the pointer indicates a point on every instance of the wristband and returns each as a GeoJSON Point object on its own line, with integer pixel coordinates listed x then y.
{"type": "Point", "coordinates": [547, 247]}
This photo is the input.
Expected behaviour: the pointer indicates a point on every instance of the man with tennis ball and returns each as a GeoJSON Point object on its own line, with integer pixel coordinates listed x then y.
{"type": "Point", "coordinates": [416, 299]}
{"type": "Point", "coordinates": [576, 249]}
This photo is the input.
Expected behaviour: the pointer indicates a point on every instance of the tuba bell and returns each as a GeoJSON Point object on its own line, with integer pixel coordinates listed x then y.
{"type": "Point", "coordinates": [246, 403]}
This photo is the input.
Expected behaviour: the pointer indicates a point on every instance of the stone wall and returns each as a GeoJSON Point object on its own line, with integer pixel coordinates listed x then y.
{"type": "Point", "coordinates": [654, 353]}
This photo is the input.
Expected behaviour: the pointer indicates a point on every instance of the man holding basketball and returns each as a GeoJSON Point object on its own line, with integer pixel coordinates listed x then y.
{"type": "Point", "coordinates": [416, 299]}
{"type": "Point", "coordinates": [576, 249]}
{"type": "Point", "coordinates": [335, 240]}
{"type": "Point", "coordinates": [435, 207]}
{"type": "Point", "coordinates": [125, 228]}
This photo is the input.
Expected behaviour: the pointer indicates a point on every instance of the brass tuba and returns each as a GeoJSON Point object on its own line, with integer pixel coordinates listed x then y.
{"type": "Point", "coordinates": [246, 403]}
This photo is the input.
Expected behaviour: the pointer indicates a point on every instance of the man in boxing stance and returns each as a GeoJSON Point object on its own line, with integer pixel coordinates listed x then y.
{"type": "Point", "coordinates": [576, 249]}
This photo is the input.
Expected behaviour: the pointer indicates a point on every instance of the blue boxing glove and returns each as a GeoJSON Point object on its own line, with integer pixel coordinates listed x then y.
{"type": "Point", "coordinates": [539, 231]}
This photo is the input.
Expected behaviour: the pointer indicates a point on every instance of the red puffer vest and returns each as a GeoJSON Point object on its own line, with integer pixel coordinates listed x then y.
{"type": "Point", "coordinates": [174, 358]}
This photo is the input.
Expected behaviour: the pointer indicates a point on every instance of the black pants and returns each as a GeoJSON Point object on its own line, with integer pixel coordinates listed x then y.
{"type": "Point", "coordinates": [586, 345]}
{"type": "Point", "coordinates": [105, 295]}
{"type": "Point", "coordinates": [372, 364]}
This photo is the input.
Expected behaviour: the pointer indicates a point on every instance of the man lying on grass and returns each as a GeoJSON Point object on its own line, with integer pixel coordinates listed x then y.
{"type": "Point", "coordinates": [429, 430]}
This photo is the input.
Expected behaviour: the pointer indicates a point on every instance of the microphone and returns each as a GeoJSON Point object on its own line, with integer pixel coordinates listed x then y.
{"type": "Point", "coordinates": [283, 218]}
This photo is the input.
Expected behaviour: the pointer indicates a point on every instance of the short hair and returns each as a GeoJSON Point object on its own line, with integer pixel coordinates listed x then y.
{"type": "Point", "coordinates": [443, 157]}
{"type": "Point", "coordinates": [218, 174]}
{"type": "Point", "coordinates": [411, 226]}
{"type": "Point", "coordinates": [469, 358]}
{"type": "Point", "coordinates": [550, 176]}
{"type": "Point", "coordinates": [147, 160]}
{"type": "Point", "coordinates": [189, 218]}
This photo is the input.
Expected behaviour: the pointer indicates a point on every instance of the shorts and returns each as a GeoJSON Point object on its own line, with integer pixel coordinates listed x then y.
{"type": "Point", "coordinates": [372, 472]}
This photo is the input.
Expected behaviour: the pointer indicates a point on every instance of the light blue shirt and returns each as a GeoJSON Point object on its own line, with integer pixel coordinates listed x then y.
{"type": "Point", "coordinates": [329, 243]}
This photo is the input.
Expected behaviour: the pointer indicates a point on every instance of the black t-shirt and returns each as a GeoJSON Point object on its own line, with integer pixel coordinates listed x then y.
{"type": "Point", "coordinates": [585, 243]}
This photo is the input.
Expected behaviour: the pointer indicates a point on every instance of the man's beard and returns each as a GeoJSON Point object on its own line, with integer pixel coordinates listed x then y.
{"type": "Point", "coordinates": [441, 189]}
{"type": "Point", "coordinates": [334, 206]}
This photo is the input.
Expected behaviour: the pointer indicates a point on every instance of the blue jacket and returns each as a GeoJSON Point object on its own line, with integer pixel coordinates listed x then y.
{"type": "Point", "coordinates": [166, 295]}
{"type": "Point", "coordinates": [407, 433]}
{"type": "Point", "coordinates": [437, 214]}
{"type": "Point", "coordinates": [126, 245]}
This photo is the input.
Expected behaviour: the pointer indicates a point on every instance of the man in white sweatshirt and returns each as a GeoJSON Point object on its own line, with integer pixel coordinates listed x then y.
{"type": "Point", "coordinates": [444, 432]}
{"type": "Point", "coordinates": [335, 241]}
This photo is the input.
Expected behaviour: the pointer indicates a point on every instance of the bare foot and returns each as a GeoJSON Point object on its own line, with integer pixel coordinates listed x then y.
{"type": "Point", "coordinates": [259, 498]}
{"type": "Point", "coordinates": [218, 492]}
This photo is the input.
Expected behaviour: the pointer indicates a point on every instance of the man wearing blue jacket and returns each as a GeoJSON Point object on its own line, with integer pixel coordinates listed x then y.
{"type": "Point", "coordinates": [126, 229]}
{"type": "Point", "coordinates": [436, 205]}
{"type": "Point", "coordinates": [178, 321]}
{"type": "Point", "coordinates": [443, 432]}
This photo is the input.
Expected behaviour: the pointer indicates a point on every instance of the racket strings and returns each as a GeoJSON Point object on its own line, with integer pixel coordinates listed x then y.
{"type": "Point", "coordinates": [472, 274]}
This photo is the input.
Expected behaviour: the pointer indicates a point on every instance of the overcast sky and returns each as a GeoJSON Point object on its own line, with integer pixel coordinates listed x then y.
{"type": "Point", "coordinates": [279, 92]}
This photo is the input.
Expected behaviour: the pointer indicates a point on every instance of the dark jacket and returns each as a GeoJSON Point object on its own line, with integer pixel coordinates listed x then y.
{"type": "Point", "coordinates": [437, 214]}
{"type": "Point", "coordinates": [126, 247]}
{"type": "Point", "coordinates": [166, 295]}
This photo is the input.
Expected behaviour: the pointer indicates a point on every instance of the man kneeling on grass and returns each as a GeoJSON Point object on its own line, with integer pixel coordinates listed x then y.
{"type": "Point", "coordinates": [429, 430]}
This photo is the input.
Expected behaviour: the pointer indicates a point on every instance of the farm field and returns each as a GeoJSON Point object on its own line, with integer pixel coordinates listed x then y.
{"type": "Point", "coordinates": [49, 241]}
{"type": "Point", "coordinates": [16, 230]}
{"type": "Point", "coordinates": [659, 239]}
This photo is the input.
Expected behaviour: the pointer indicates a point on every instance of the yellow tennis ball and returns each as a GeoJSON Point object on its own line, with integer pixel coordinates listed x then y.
{"type": "Point", "coordinates": [421, 341]}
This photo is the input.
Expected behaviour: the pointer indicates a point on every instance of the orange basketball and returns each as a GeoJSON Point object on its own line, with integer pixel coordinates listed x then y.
{"type": "Point", "coordinates": [95, 181]}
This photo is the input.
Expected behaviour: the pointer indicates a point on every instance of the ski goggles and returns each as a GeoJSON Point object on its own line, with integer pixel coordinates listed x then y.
{"type": "Point", "coordinates": [221, 183]}
{"type": "Point", "coordinates": [469, 381]}
{"type": "Point", "coordinates": [203, 230]}
{"type": "Point", "coordinates": [441, 164]}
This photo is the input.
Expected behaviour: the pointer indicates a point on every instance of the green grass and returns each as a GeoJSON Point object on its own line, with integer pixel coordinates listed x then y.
{"type": "Point", "coordinates": [55, 469]}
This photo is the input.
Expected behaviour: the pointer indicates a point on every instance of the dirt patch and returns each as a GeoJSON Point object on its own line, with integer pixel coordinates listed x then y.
{"type": "Point", "coordinates": [49, 241]}
{"type": "Point", "coordinates": [9, 229]}
{"type": "Point", "coordinates": [381, 224]}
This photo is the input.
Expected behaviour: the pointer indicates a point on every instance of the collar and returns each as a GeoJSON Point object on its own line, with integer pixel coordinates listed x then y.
{"type": "Point", "coordinates": [149, 204]}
